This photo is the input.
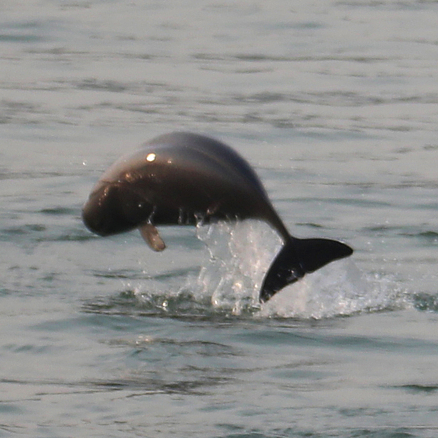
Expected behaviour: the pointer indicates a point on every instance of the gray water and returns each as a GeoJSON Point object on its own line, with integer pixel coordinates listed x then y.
{"type": "Point", "coordinates": [335, 104]}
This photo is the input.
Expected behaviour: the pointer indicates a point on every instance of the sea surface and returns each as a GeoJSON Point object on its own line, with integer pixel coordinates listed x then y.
{"type": "Point", "coordinates": [335, 104]}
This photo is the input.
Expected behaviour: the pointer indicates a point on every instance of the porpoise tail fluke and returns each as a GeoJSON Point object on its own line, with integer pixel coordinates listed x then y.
{"type": "Point", "coordinates": [299, 257]}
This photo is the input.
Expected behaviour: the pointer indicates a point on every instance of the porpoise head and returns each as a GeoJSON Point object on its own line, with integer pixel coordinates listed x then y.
{"type": "Point", "coordinates": [115, 207]}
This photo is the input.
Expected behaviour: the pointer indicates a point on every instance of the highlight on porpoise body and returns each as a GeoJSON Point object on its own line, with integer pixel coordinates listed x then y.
{"type": "Point", "coordinates": [184, 178]}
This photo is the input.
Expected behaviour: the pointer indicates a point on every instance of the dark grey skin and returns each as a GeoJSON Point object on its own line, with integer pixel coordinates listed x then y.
{"type": "Point", "coordinates": [184, 178]}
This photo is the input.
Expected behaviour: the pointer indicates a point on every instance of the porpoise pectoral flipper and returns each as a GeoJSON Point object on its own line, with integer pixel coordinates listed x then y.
{"type": "Point", "coordinates": [152, 237]}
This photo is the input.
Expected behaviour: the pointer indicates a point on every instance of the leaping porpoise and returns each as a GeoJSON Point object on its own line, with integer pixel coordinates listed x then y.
{"type": "Point", "coordinates": [182, 178]}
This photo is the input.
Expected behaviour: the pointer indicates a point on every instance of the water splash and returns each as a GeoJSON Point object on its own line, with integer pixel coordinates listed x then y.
{"type": "Point", "coordinates": [338, 289]}
{"type": "Point", "coordinates": [240, 255]}
{"type": "Point", "coordinates": [228, 282]}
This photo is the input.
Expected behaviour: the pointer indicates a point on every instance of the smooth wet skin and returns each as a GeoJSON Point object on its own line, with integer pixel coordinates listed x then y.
{"type": "Point", "coordinates": [184, 178]}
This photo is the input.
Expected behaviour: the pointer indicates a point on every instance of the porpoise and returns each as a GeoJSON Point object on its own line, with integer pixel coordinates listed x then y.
{"type": "Point", "coordinates": [183, 179]}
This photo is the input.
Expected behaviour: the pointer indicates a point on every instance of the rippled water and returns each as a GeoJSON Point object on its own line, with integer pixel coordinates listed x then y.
{"type": "Point", "coordinates": [335, 105]}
